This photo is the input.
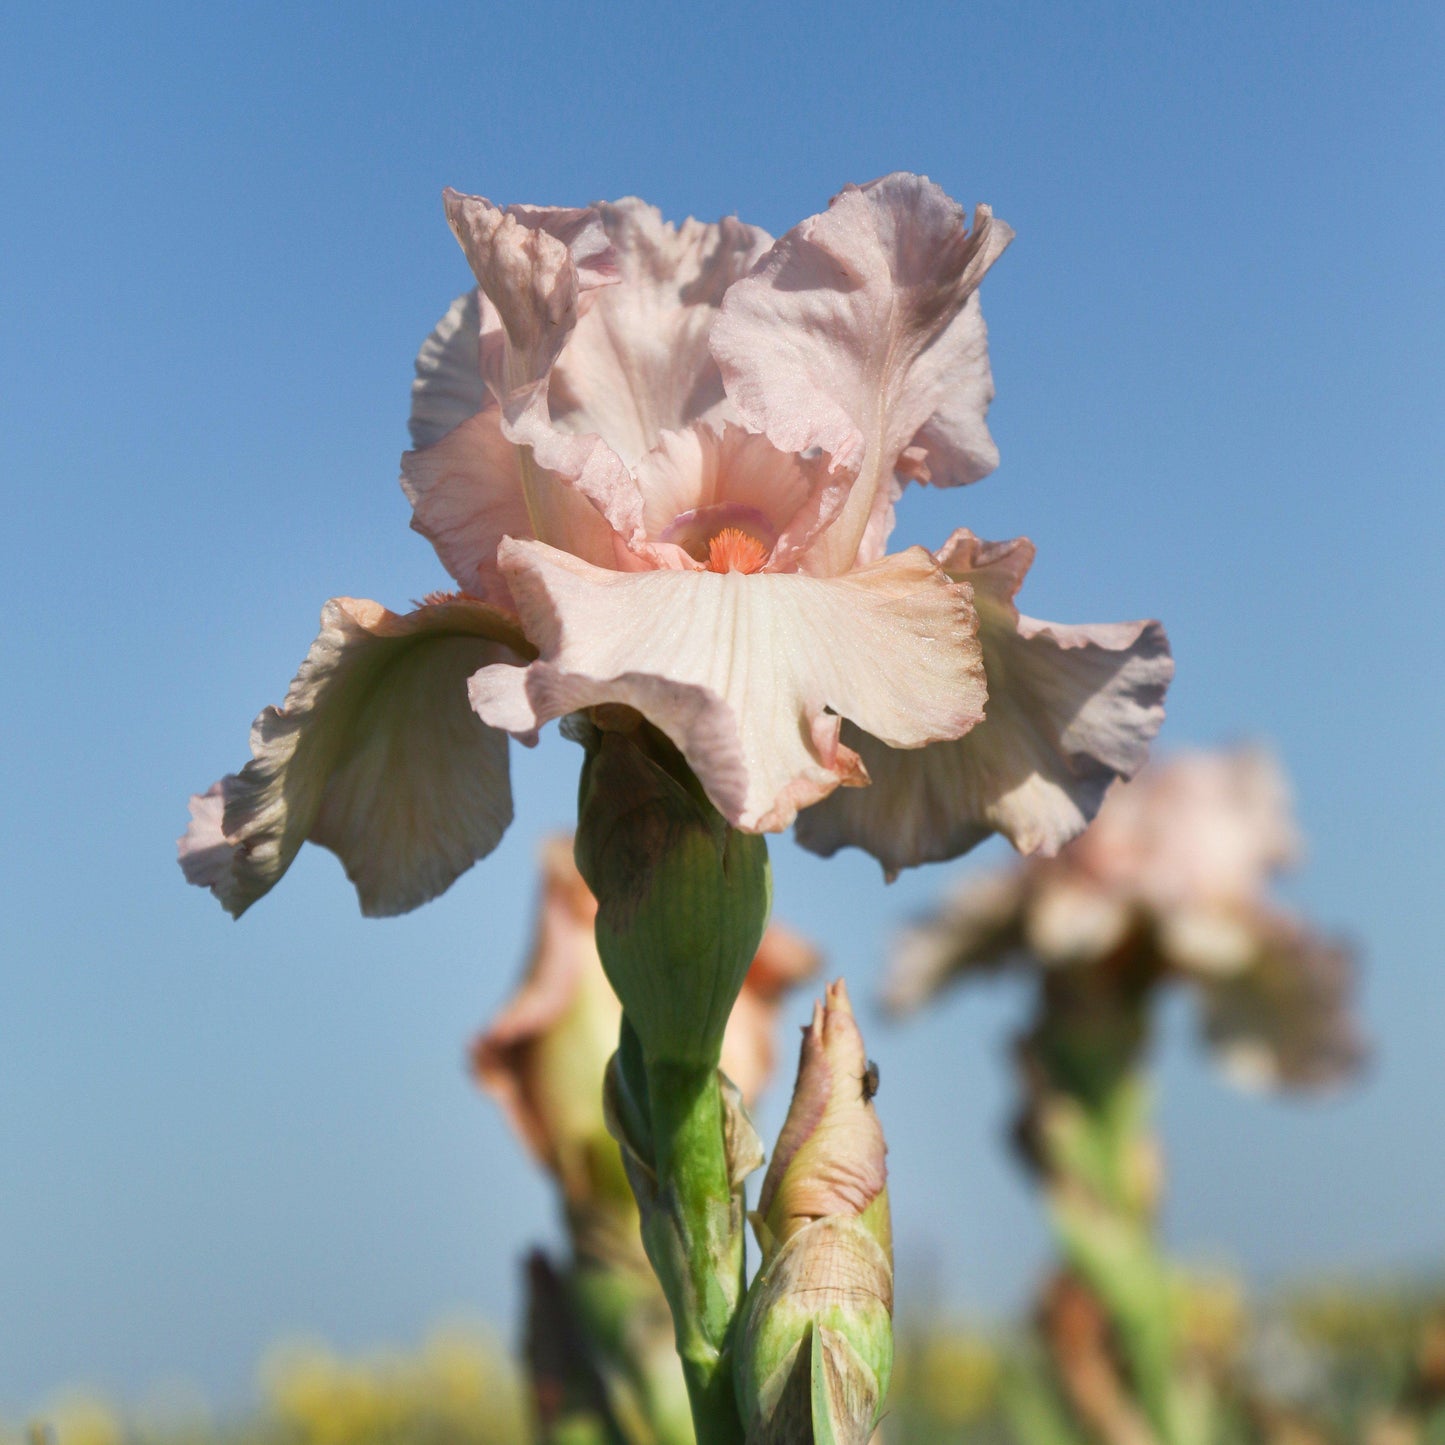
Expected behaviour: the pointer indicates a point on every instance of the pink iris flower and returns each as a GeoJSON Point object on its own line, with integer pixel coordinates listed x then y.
{"type": "Point", "coordinates": [661, 463]}
{"type": "Point", "coordinates": [1175, 873]}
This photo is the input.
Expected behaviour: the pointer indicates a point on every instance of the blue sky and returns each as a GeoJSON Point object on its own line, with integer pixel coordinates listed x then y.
{"type": "Point", "coordinates": [1218, 347]}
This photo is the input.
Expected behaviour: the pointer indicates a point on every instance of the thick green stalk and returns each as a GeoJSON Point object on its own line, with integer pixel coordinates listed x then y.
{"type": "Point", "coordinates": [1088, 1126]}
{"type": "Point", "coordinates": [693, 1231]}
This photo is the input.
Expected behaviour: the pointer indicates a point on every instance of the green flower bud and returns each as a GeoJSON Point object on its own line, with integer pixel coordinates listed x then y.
{"type": "Point", "coordinates": [815, 1345]}
{"type": "Point", "coordinates": [682, 897]}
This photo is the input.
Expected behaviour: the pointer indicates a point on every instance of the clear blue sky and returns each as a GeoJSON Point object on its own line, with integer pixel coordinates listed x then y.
{"type": "Point", "coordinates": [1218, 347]}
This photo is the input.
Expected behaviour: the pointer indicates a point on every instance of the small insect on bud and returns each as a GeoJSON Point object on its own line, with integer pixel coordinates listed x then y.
{"type": "Point", "coordinates": [816, 1337]}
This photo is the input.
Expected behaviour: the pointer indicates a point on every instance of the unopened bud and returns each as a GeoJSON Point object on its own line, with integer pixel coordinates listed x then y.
{"type": "Point", "coordinates": [815, 1348]}
{"type": "Point", "coordinates": [682, 897]}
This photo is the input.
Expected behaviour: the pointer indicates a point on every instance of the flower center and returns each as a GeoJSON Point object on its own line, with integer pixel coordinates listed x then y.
{"type": "Point", "coordinates": [733, 550]}
{"type": "Point", "coordinates": [724, 537]}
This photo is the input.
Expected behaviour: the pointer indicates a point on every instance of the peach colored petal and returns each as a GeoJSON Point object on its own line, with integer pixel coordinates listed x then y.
{"type": "Point", "coordinates": [857, 333]}
{"type": "Point", "coordinates": [1204, 828]}
{"type": "Point", "coordinates": [374, 754]}
{"type": "Point", "coordinates": [701, 479]}
{"type": "Point", "coordinates": [467, 492]}
{"type": "Point", "coordinates": [538, 271]}
{"type": "Point", "coordinates": [449, 386]}
{"type": "Point", "coordinates": [749, 675]}
{"type": "Point", "coordinates": [534, 266]}
{"type": "Point", "coordinates": [1070, 709]}
{"type": "Point", "coordinates": [638, 363]}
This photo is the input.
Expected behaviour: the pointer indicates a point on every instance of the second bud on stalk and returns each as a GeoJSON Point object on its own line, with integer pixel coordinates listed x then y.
{"type": "Point", "coordinates": [815, 1350]}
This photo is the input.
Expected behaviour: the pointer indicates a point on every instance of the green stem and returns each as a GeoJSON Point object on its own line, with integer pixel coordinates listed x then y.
{"type": "Point", "coordinates": [704, 1220]}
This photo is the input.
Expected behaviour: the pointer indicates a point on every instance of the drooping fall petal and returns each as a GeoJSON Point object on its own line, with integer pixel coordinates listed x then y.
{"type": "Point", "coordinates": [750, 676]}
{"type": "Point", "coordinates": [1070, 709]}
{"type": "Point", "coordinates": [374, 754]}
{"type": "Point", "coordinates": [1286, 1019]}
{"type": "Point", "coordinates": [858, 334]}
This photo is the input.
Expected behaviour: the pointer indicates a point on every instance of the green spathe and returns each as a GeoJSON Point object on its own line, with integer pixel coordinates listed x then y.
{"type": "Point", "coordinates": [682, 897]}
{"type": "Point", "coordinates": [815, 1347]}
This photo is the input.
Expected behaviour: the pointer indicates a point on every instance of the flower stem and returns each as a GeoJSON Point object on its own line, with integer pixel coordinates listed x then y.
{"type": "Point", "coordinates": [693, 1175]}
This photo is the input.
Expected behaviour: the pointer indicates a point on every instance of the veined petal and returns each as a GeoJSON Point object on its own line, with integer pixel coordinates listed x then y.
{"type": "Point", "coordinates": [1070, 709]}
{"type": "Point", "coordinates": [538, 270]}
{"type": "Point", "coordinates": [750, 676]}
{"type": "Point", "coordinates": [467, 492]}
{"type": "Point", "coordinates": [858, 334]}
{"type": "Point", "coordinates": [697, 480]}
{"type": "Point", "coordinates": [534, 265]}
{"type": "Point", "coordinates": [374, 754]}
{"type": "Point", "coordinates": [449, 386]}
{"type": "Point", "coordinates": [638, 363]}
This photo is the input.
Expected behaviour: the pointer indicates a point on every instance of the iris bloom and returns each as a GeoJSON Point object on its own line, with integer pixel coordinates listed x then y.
{"type": "Point", "coordinates": [661, 464]}
{"type": "Point", "coordinates": [1174, 872]}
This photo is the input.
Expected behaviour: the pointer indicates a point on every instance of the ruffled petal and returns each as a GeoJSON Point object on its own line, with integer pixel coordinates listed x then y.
{"type": "Point", "coordinates": [449, 386]}
{"type": "Point", "coordinates": [638, 363]}
{"type": "Point", "coordinates": [374, 754]}
{"type": "Point", "coordinates": [534, 266]}
{"type": "Point", "coordinates": [467, 493]}
{"type": "Point", "coordinates": [1070, 709]}
{"type": "Point", "coordinates": [538, 270]}
{"type": "Point", "coordinates": [749, 675]}
{"type": "Point", "coordinates": [699, 480]}
{"type": "Point", "coordinates": [1287, 1019]}
{"type": "Point", "coordinates": [858, 333]}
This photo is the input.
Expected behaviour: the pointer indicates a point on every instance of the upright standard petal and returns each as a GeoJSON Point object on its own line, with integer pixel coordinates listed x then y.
{"type": "Point", "coordinates": [750, 676]}
{"type": "Point", "coordinates": [638, 364]}
{"type": "Point", "coordinates": [1070, 709]}
{"type": "Point", "coordinates": [534, 266]}
{"type": "Point", "coordinates": [538, 270]}
{"type": "Point", "coordinates": [449, 386]}
{"type": "Point", "coordinates": [474, 487]}
{"type": "Point", "coordinates": [1206, 829]}
{"type": "Point", "coordinates": [858, 334]}
{"type": "Point", "coordinates": [374, 754]}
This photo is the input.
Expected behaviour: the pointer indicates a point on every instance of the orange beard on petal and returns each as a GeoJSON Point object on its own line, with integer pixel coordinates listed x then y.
{"type": "Point", "coordinates": [733, 550]}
